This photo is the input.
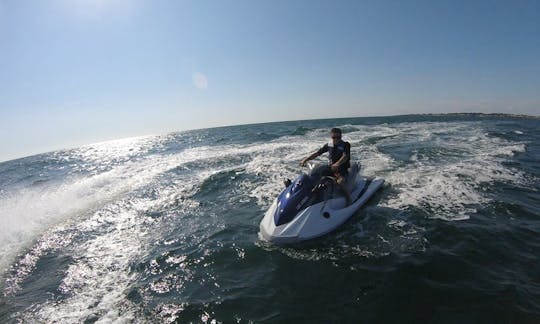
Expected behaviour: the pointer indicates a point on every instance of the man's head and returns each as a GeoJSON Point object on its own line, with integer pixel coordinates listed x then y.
{"type": "Point", "coordinates": [335, 134]}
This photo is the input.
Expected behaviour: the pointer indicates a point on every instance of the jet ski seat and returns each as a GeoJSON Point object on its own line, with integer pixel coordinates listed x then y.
{"type": "Point", "coordinates": [353, 172]}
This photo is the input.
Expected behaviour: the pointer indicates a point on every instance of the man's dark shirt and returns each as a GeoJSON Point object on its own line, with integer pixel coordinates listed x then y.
{"type": "Point", "coordinates": [335, 152]}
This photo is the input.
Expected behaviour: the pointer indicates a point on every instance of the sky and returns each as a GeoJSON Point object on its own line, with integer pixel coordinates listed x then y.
{"type": "Point", "coordinates": [74, 72]}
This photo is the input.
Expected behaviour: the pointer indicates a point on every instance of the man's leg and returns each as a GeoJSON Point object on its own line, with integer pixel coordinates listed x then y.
{"type": "Point", "coordinates": [342, 182]}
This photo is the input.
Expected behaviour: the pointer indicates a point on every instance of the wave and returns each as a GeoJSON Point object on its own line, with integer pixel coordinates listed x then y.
{"type": "Point", "coordinates": [301, 130]}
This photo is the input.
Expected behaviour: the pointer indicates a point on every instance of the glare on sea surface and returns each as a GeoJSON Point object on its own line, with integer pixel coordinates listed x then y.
{"type": "Point", "coordinates": [106, 152]}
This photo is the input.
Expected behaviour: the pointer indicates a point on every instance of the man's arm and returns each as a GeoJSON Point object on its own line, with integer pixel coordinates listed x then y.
{"type": "Point", "coordinates": [322, 150]}
{"type": "Point", "coordinates": [311, 157]}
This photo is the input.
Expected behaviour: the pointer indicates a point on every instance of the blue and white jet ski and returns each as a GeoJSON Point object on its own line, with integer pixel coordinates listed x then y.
{"type": "Point", "coordinates": [312, 205]}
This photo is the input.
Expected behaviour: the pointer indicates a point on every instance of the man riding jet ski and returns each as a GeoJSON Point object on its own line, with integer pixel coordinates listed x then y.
{"type": "Point", "coordinates": [339, 157]}
{"type": "Point", "coordinates": [310, 206]}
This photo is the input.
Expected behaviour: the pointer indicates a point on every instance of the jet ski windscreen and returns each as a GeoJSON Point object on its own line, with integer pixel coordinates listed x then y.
{"type": "Point", "coordinates": [292, 199]}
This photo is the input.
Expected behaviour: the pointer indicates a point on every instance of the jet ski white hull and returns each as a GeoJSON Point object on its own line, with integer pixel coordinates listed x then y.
{"type": "Point", "coordinates": [318, 219]}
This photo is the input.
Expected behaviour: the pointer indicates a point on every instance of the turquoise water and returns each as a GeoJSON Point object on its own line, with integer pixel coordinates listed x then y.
{"type": "Point", "coordinates": [164, 228]}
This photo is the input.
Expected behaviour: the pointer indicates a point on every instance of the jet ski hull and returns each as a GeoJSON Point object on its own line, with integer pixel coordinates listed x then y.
{"type": "Point", "coordinates": [320, 218]}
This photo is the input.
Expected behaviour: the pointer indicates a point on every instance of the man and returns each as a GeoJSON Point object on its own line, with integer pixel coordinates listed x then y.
{"type": "Point", "coordinates": [339, 156]}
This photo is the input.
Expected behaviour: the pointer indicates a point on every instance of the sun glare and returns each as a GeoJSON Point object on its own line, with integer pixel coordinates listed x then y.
{"type": "Point", "coordinates": [200, 81]}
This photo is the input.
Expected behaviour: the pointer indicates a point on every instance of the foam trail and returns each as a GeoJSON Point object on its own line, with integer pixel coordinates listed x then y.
{"type": "Point", "coordinates": [101, 272]}
{"type": "Point", "coordinates": [31, 211]}
{"type": "Point", "coordinates": [96, 281]}
{"type": "Point", "coordinates": [448, 186]}
{"type": "Point", "coordinates": [93, 286]}
{"type": "Point", "coordinates": [92, 199]}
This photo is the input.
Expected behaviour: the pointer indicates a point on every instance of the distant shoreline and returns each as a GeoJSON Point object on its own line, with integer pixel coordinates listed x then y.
{"type": "Point", "coordinates": [479, 114]}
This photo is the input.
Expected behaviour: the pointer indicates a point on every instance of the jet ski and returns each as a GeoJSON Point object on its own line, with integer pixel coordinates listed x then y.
{"type": "Point", "coordinates": [312, 205]}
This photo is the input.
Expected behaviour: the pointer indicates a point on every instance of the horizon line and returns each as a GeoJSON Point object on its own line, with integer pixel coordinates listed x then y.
{"type": "Point", "coordinates": [479, 114]}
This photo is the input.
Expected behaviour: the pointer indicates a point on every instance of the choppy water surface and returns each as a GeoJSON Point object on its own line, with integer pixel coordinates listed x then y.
{"type": "Point", "coordinates": [164, 228]}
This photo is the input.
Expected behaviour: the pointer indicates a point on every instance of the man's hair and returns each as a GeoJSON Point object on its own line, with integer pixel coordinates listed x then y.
{"type": "Point", "coordinates": [336, 131]}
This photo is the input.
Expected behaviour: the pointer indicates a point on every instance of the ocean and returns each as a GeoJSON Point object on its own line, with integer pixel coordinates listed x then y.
{"type": "Point", "coordinates": [165, 228]}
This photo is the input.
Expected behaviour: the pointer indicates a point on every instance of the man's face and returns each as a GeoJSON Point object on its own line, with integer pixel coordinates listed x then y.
{"type": "Point", "coordinates": [335, 137]}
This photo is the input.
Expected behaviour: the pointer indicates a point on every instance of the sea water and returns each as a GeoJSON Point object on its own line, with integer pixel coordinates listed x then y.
{"type": "Point", "coordinates": [164, 228]}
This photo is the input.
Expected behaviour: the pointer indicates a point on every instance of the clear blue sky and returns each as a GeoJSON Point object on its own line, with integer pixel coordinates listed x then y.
{"type": "Point", "coordinates": [80, 71]}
